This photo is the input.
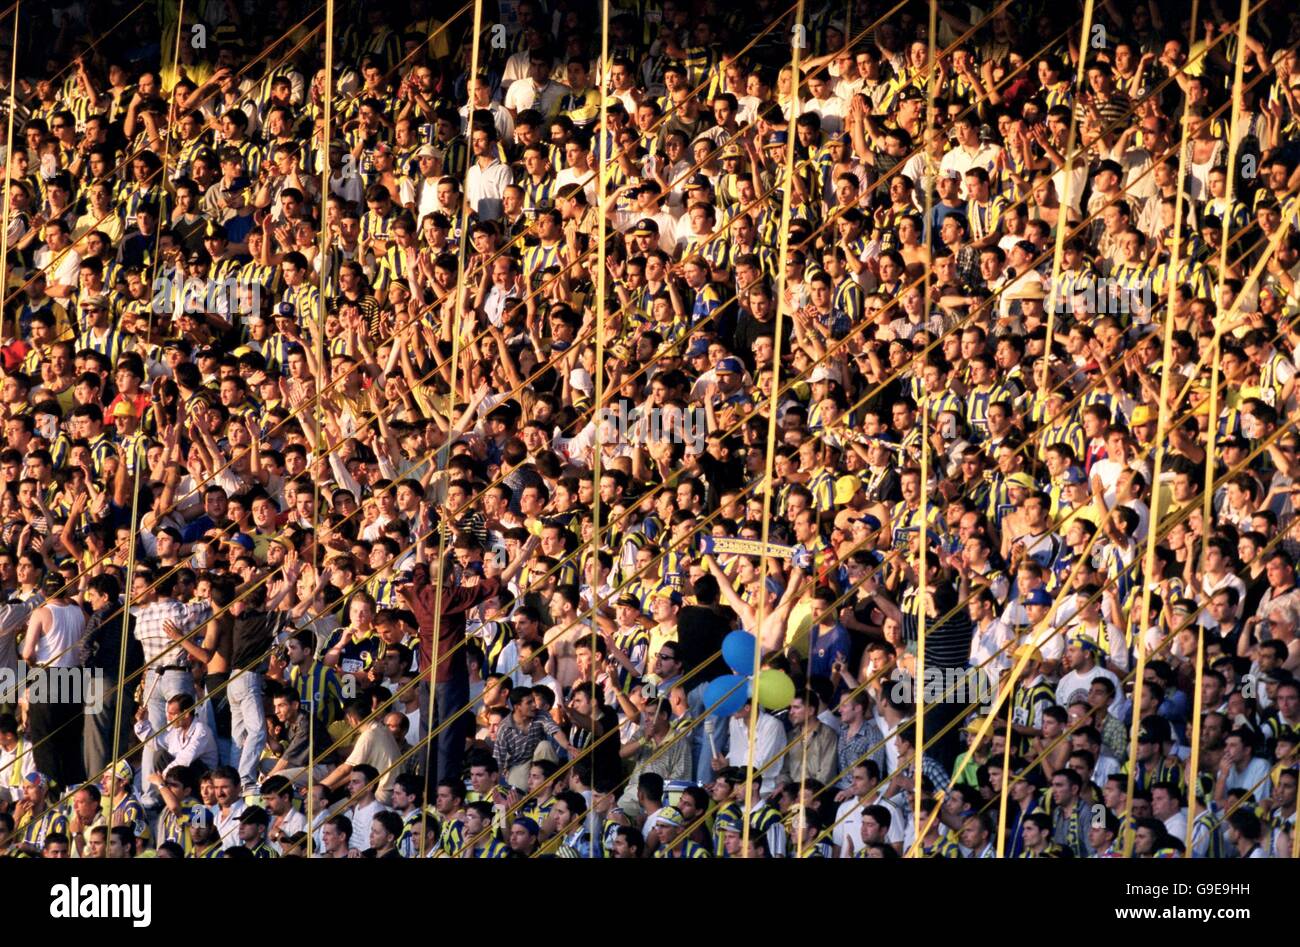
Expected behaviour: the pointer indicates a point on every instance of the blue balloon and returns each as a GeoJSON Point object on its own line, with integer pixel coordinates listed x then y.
{"type": "Point", "coordinates": [738, 651]}
{"type": "Point", "coordinates": [717, 691]}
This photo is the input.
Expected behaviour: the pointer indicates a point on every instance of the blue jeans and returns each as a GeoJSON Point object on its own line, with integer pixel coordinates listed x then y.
{"type": "Point", "coordinates": [159, 687]}
{"type": "Point", "coordinates": [247, 723]}
{"type": "Point", "coordinates": [452, 696]}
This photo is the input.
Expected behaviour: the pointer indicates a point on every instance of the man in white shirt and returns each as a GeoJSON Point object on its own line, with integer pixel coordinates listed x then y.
{"type": "Point", "coordinates": [61, 263]}
{"type": "Point", "coordinates": [846, 836]}
{"type": "Point", "coordinates": [970, 152]}
{"type": "Point", "coordinates": [829, 107]}
{"type": "Point", "coordinates": [488, 177]}
{"type": "Point", "coordinates": [361, 787]}
{"type": "Point", "coordinates": [537, 92]}
{"type": "Point", "coordinates": [184, 741]}
{"type": "Point", "coordinates": [769, 741]}
{"type": "Point", "coordinates": [419, 193]}
{"type": "Point", "coordinates": [225, 814]}
{"type": "Point", "coordinates": [277, 794]}
{"type": "Point", "coordinates": [482, 98]}
{"type": "Point", "coordinates": [1083, 653]}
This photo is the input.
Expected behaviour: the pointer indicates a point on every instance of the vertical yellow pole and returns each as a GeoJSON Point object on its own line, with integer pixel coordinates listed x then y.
{"type": "Point", "coordinates": [791, 140]}
{"type": "Point", "coordinates": [435, 568]}
{"type": "Point", "coordinates": [1162, 432]}
{"type": "Point", "coordinates": [1212, 428]}
{"type": "Point", "coordinates": [923, 546]}
{"type": "Point", "coordinates": [327, 116]}
{"type": "Point", "coordinates": [602, 204]}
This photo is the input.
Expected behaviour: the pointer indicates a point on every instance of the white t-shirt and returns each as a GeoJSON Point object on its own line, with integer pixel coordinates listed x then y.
{"type": "Point", "coordinates": [525, 95]}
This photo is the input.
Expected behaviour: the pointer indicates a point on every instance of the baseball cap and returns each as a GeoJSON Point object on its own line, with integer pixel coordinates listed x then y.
{"type": "Point", "coordinates": [731, 365]}
{"type": "Point", "coordinates": [529, 825]}
{"type": "Point", "coordinates": [1084, 642]}
{"type": "Point", "coordinates": [256, 815]}
{"type": "Point", "coordinates": [698, 349]}
{"type": "Point", "coordinates": [952, 174]}
{"type": "Point", "coordinates": [670, 815]}
{"type": "Point", "coordinates": [95, 301]}
{"type": "Point", "coordinates": [846, 487]}
{"type": "Point", "coordinates": [426, 151]}
{"type": "Point", "coordinates": [242, 183]}
{"type": "Point", "coordinates": [631, 601]}
{"type": "Point", "coordinates": [1021, 479]}
{"type": "Point", "coordinates": [776, 139]}
{"type": "Point", "coordinates": [645, 227]}
{"type": "Point", "coordinates": [200, 815]}
{"type": "Point", "coordinates": [697, 180]}
{"type": "Point", "coordinates": [775, 586]}
{"type": "Point", "coordinates": [669, 593]}
{"type": "Point", "coordinates": [910, 93]}
{"type": "Point", "coordinates": [870, 522]}
{"type": "Point", "coordinates": [286, 310]}
{"type": "Point", "coordinates": [820, 373]}
{"type": "Point", "coordinates": [199, 256]}
{"type": "Point", "coordinates": [1142, 414]}
{"type": "Point", "coordinates": [123, 410]}
{"type": "Point", "coordinates": [728, 823]}
{"type": "Point", "coordinates": [1029, 652]}
{"type": "Point", "coordinates": [1073, 475]}
{"type": "Point", "coordinates": [1038, 597]}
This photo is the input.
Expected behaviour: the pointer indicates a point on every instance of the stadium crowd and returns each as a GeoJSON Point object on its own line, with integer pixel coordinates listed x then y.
{"type": "Point", "coordinates": [391, 514]}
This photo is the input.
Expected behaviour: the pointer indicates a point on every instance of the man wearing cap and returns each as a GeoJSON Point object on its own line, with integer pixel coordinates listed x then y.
{"type": "Point", "coordinates": [203, 839]}
{"type": "Point", "coordinates": [673, 833]}
{"type": "Point", "coordinates": [1083, 653]}
{"type": "Point", "coordinates": [252, 832]}
{"type": "Point", "coordinates": [34, 818]}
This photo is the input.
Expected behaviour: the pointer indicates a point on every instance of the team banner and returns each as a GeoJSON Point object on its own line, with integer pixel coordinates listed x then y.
{"type": "Point", "coordinates": [735, 545]}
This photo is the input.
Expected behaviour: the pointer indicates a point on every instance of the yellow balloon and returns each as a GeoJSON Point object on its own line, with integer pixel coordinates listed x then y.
{"type": "Point", "coordinates": [775, 689]}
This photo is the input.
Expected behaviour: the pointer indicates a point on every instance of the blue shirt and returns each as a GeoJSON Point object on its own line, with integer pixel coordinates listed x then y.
{"type": "Point", "coordinates": [824, 648]}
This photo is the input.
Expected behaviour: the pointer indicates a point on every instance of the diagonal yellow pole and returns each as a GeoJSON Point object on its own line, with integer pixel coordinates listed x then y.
{"type": "Point", "coordinates": [9, 162]}
{"type": "Point", "coordinates": [790, 142]}
{"type": "Point", "coordinates": [1067, 189]}
{"type": "Point", "coordinates": [1006, 780]}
